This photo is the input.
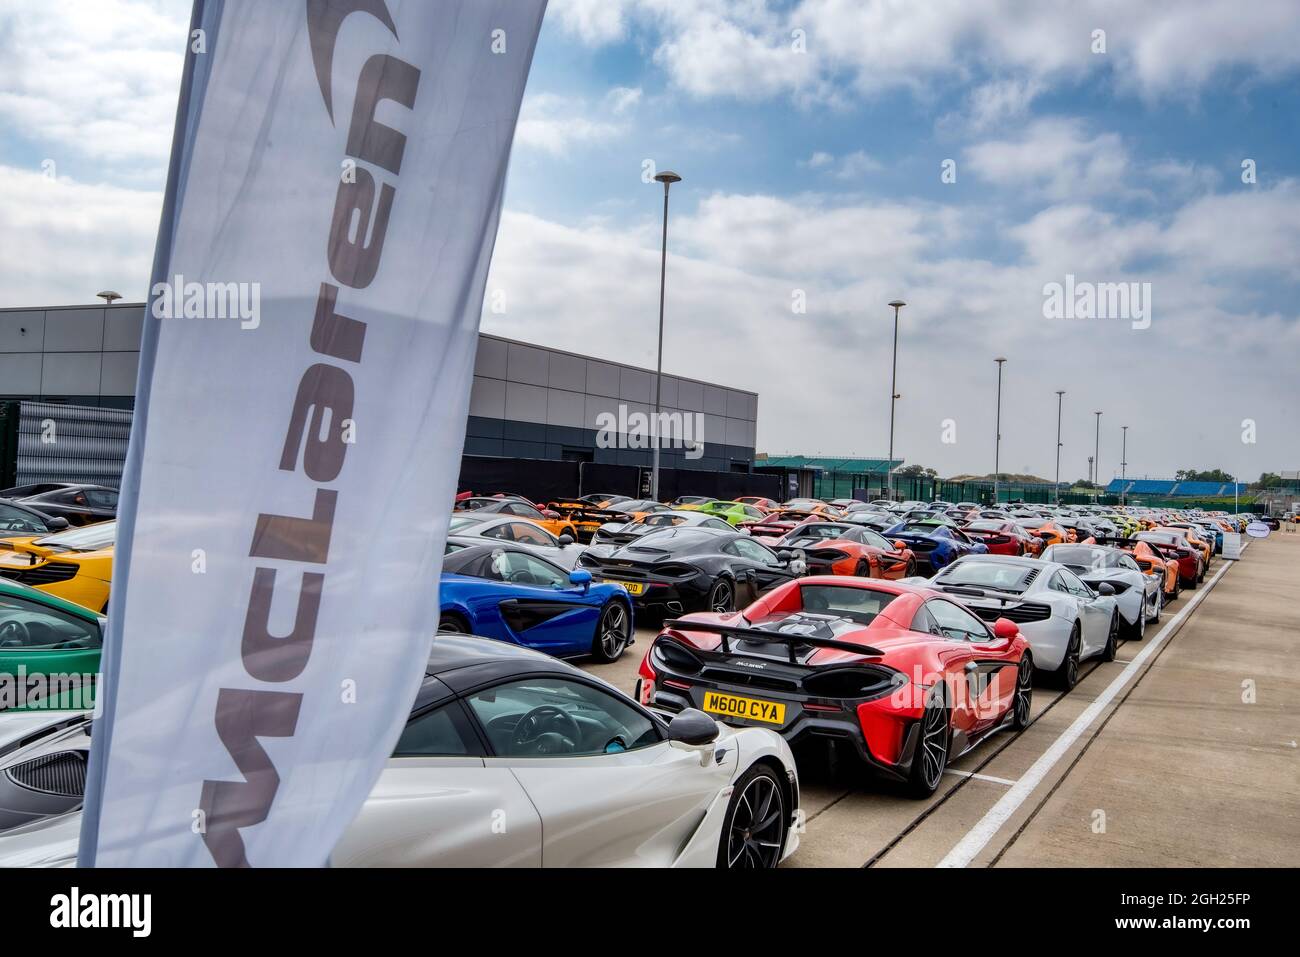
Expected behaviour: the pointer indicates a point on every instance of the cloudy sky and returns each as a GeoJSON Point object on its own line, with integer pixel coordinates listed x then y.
{"type": "Point", "coordinates": [836, 154]}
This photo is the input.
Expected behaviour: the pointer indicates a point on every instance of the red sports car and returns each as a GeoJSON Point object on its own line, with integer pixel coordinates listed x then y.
{"type": "Point", "coordinates": [772, 527]}
{"type": "Point", "coordinates": [903, 676]}
{"type": "Point", "coordinates": [1003, 537]}
{"type": "Point", "coordinates": [840, 548]}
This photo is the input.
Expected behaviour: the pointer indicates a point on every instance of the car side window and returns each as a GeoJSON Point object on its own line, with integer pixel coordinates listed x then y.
{"type": "Point", "coordinates": [503, 532]}
{"type": "Point", "coordinates": [956, 623]}
{"type": "Point", "coordinates": [440, 732]}
{"type": "Point", "coordinates": [924, 622]}
{"type": "Point", "coordinates": [30, 626]}
{"type": "Point", "coordinates": [530, 534]}
{"type": "Point", "coordinates": [102, 498]}
{"type": "Point", "coordinates": [1057, 583]}
{"type": "Point", "coordinates": [544, 717]}
{"type": "Point", "coordinates": [519, 568]}
{"type": "Point", "coordinates": [16, 520]}
{"type": "Point", "coordinates": [1074, 586]}
{"type": "Point", "coordinates": [1130, 564]}
{"type": "Point", "coordinates": [753, 551]}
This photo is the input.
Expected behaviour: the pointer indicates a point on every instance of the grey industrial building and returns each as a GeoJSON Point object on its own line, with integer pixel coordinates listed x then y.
{"type": "Point", "coordinates": [528, 401]}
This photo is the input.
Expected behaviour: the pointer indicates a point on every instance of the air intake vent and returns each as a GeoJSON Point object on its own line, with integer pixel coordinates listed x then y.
{"type": "Point", "coordinates": [63, 773]}
{"type": "Point", "coordinates": [46, 574]}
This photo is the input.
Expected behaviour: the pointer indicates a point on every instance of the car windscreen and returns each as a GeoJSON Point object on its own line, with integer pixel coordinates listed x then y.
{"type": "Point", "coordinates": [858, 604]}
{"type": "Point", "coordinates": [819, 532]}
{"type": "Point", "coordinates": [88, 538]}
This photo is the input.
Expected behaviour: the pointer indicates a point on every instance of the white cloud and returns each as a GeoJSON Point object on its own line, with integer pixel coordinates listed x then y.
{"type": "Point", "coordinates": [742, 48]}
{"type": "Point", "coordinates": [1056, 156]}
{"type": "Point", "coordinates": [735, 262]}
{"type": "Point", "coordinates": [554, 124]}
{"type": "Point", "coordinates": [623, 98]}
{"type": "Point", "coordinates": [70, 239]}
{"type": "Point", "coordinates": [94, 78]}
{"type": "Point", "coordinates": [851, 167]}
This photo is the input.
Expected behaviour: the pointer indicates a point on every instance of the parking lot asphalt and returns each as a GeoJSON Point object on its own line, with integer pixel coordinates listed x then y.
{"type": "Point", "coordinates": [1183, 751]}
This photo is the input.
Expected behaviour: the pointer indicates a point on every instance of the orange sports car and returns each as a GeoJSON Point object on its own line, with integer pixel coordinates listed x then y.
{"type": "Point", "coordinates": [1049, 531]}
{"type": "Point", "coordinates": [552, 521]}
{"type": "Point", "coordinates": [1151, 561]}
{"type": "Point", "coordinates": [838, 548]}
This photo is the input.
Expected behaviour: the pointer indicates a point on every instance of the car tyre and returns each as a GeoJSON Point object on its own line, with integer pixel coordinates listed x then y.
{"type": "Point", "coordinates": [1112, 639]}
{"type": "Point", "coordinates": [931, 757]}
{"type": "Point", "coordinates": [722, 596]}
{"type": "Point", "coordinates": [754, 828]}
{"type": "Point", "coordinates": [862, 569]}
{"type": "Point", "coordinates": [1137, 631]}
{"type": "Point", "coordinates": [613, 632]}
{"type": "Point", "coordinates": [453, 623]}
{"type": "Point", "coordinates": [1159, 607]}
{"type": "Point", "coordinates": [1022, 704]}
{"type": "Point", "coordinates": [1067, 675]}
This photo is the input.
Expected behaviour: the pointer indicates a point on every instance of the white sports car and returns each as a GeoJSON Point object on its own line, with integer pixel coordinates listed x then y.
{"type": "Point", "coordinates": [509, 757]}
{"type": "Point", "coordinates": [1139, 596]}
{"type": "Point", "coordinates": [529, 536]}
{"type": "Point", "coordinates": [1064, 620]}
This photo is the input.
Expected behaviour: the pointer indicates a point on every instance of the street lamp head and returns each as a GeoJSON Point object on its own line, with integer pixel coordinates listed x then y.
{"type": "Point", "coordinates": [1000, 359]}
{"type": "Point", "coordinates": [108, 296]}
{"type": "Point", "coordinates": [897, 304]}
{"type": "Point", "coordinates": [667, 177]}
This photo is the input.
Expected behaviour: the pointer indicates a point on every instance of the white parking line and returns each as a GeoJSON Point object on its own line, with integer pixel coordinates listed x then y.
{"type": "Point", "coordinates": [965, 850]}
{"type": "Point", "coordinates": [979, 777]}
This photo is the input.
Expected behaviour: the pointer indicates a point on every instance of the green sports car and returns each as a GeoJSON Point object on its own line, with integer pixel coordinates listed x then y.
{"type": "Point", "coordinates": [49, 650]}
{"type": "Point", "coordinates": [733, 512]}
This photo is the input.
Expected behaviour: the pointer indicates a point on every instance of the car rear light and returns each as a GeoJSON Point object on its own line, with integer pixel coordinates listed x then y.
{"type": "Point", "coordinates": [827, 554]}
{"type": "Point", "coordinates": [671, 655]}
{"type": "Point", "coordinates": [645, 691]}
{"type": "Point", "coordinates": [679, 685]}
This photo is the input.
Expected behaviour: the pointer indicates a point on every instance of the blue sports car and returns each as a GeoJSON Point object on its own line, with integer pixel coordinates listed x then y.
{"type": "Point", "coordinates": [498, 590]}
{"type": "Point", "coordinates": [935, 544]}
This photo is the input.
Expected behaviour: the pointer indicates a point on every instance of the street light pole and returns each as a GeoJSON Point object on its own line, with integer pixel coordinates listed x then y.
{"type": "Point", "coordinates": [997, 432]}
{"type": "Point", "coordinates": [1123, 466]}
{"type": "Point", "coordinates": [897, 304]}
{"type": "Point", "coordinates": [667, 177]}
{"type": "Point", "coordinates": [1096, 458]}
{"type": "Point", "coordinates": [1059, 394]}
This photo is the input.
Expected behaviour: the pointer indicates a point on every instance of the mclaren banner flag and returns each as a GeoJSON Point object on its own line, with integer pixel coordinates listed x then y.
{"type": "Point", "coordinates": [331, 205]}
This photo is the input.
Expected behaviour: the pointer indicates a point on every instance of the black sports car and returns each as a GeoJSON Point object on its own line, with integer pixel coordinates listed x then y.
{"type": "Point", "coordinates": [79, 504]}
{"type": "Point", "coordinates": [694, 569]}
{"type": "Point", "coordinates": [614, 534]}
{"type": "Point", "coordinates": [17, 519]}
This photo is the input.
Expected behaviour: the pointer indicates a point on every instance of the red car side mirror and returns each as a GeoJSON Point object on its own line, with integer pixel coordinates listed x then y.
{"type": "Point", "coordinates": [1005, 628]}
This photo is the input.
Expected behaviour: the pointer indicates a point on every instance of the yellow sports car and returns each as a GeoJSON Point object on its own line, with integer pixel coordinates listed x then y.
{"type": "Point", "coordinates": [76, 565]}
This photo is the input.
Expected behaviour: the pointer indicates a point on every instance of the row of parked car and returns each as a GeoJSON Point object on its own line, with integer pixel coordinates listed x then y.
{"type": "Point", "coordinates": [802, 627]}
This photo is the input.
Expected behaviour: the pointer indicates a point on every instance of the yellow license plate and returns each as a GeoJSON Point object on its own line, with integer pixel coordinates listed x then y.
{"type": "Point", "coordinates": [633, 588]}
{"type": "Point", "coordinates": [751, 709]}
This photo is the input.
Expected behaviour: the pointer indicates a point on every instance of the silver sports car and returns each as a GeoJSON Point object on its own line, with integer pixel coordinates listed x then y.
{"type": "Point", "coordinates": [509, 757]}
{"type": "Point", "coordinates": [1139, 596]}
{"type": "Point", "coordinates": [1064, 620]}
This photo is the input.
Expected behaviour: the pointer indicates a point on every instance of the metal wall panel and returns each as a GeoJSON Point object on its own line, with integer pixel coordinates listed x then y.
{"type": "Point", "coordinates": [71, 443]}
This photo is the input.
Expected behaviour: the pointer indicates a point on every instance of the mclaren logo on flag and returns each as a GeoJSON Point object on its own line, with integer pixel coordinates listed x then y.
{"type": "Point", "coordinates": [249, 707]}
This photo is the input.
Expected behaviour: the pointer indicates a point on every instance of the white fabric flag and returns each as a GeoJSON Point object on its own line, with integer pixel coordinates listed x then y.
{"type": "Point", "coordinates": [305, 372]}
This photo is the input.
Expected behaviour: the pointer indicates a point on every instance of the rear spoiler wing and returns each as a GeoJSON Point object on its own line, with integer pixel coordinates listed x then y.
{"type": "Point", "coordinates": [975, 591]}
{"type": "Point", "coordinates": [584, 510]}
{"type": "Point", "coordinates": [759, 636]}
